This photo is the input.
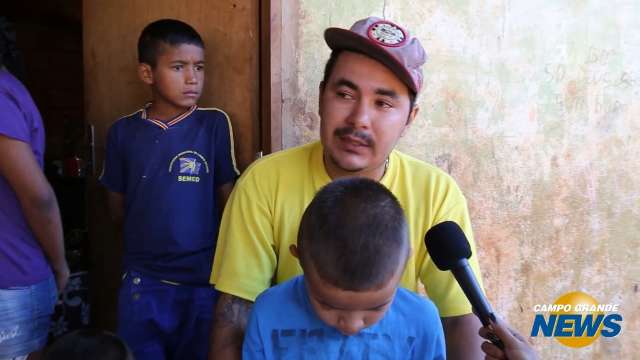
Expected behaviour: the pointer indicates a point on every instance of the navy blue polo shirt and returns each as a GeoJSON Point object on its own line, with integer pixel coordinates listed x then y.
{"type": "Point", "coordinates": [168, 174]}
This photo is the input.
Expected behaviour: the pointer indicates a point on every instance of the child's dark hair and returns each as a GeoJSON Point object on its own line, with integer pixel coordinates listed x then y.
{"type": "Point", "coordinates": [165, 32]}
{"type": "Point", "coordinates": [88, 344]}
{"type": "Point", "coordinates": [353, 235]}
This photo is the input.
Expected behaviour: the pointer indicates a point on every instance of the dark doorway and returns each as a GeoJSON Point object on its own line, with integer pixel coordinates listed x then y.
{"type": "Point", "coordinates": [49, 40]}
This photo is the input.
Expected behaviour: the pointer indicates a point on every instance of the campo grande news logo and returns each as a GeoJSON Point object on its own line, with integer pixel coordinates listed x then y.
{"type": "Point", "coordinates": [576, 319]}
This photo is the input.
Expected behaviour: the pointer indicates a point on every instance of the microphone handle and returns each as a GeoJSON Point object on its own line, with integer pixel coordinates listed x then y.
{"type": "Point", "coordinates": [467, 281]}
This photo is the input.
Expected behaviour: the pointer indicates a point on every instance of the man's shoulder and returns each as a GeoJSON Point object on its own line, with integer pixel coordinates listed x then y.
{"type": "Point", "coordinates": [291, 161]}
{"type": "Point", "coordinates": [299, 153]}
{"type": "Point", "coordinates": [421, 176]}
{"type": "Point", "coordinates": [411, 164]}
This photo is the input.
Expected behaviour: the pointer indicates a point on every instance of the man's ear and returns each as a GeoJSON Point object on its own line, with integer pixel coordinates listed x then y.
{"type": "Point", "coordinates": [412, 116]}
{"type": "Point", "coordinates": [294, 251]}
{"type": "Point", "coordinates": [145, 73]}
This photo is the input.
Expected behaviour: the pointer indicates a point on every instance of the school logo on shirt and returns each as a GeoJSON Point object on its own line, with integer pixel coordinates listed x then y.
{"type": "Point", "coordinates": [188, 166]}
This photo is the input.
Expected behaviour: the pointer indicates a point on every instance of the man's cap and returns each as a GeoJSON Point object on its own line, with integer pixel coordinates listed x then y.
{"type": "Point", "coordinates": [385, 41]}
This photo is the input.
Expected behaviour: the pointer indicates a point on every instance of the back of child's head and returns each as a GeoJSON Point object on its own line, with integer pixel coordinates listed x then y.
{"type": "Point", "coordinates": [88, 344]}
{"type": "Point", "coordinates": [165, 32]}
{"type": "Point", "coordinates": [353, 235]}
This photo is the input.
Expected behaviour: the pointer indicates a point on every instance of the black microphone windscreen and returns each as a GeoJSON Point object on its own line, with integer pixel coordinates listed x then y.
{"type": "Point", "coordinates": [447, 244]}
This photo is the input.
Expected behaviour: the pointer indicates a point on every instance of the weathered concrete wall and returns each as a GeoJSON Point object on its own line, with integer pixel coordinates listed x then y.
{"type": "Point", "coordinates": [533, 108]}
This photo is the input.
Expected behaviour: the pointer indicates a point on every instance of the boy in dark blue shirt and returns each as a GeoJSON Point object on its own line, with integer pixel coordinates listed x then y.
{"type": "Point", "coordinates": [169, 169]}
{"type": "Point", "coordinates": [353, 246]}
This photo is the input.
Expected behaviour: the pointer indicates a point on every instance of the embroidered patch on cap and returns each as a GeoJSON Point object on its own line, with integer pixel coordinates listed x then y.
{"type": "Point", "coordinates": [387, 33]}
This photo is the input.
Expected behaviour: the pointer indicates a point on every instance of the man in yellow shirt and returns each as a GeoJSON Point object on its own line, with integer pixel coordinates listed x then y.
{"type": "Point", "coordinates": [367, 102]}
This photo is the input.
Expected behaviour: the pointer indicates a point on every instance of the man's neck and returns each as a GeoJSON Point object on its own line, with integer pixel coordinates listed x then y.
{"type": "Point", "coordinates": [335, 172]}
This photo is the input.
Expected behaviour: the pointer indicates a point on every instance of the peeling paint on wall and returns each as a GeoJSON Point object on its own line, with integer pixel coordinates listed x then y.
{"type": "Point", "coordinates": [533, 107]}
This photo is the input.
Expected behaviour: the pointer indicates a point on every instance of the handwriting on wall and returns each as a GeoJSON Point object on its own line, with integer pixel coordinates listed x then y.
{"type": "Point", "coordinates": [597, 85]}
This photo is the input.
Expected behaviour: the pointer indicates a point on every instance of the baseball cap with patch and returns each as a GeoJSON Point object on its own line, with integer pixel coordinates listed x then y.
{"type": "Point", "coordinates": [385, 41]}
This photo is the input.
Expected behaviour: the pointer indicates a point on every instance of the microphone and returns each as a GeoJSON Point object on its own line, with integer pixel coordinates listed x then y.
{"type": "Point", "coordinates": [449, 249]}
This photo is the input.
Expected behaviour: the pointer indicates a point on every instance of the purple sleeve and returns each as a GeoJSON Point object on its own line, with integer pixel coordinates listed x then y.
{"type": "Point", "coordinates": [113, 168]}
{"type": "Point", "coordinates": [12, 120]}
{"type": "Point", "coordinates": [225, 169]}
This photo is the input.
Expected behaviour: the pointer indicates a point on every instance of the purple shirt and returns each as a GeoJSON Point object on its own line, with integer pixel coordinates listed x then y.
{"type": "Point", "coordinates": [22, 261]}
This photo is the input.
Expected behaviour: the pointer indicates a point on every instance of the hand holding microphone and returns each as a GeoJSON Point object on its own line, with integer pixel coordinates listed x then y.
{"type": "Point", "coordinates": [515, 345]}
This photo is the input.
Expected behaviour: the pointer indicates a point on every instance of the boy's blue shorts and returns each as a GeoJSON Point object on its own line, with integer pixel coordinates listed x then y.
{"type": "Point", "coordinates": [161, 320]}
{"type": "Point", "coordinates": [25, 317]}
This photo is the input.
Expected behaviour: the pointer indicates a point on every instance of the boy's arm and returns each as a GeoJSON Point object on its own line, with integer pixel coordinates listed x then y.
{"type": "Point", "coordinates": [225, 168]}
{"type": "Point", "coordinates": [115, 200]}
{"type": "Point", "coordinates": [225, 164]}
{"type": "Point", "coordinates": [113, 178]}
{"type": "Point", "coordinates": [462, 339]}
{"type": "Point", "coordinates": [230, 320]}
{"type": "Point", "coordinates": [38, 201]}
{"type": "Point", "coordinates": [222, 195]}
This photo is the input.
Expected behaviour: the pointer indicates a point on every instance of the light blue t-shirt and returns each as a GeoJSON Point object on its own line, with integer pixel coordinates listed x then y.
{"type": "Point", "coordinates": [283, 325]}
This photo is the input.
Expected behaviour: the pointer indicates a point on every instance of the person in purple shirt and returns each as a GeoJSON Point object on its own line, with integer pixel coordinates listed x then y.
{"type": "Point", "coordinates": [32, 261]}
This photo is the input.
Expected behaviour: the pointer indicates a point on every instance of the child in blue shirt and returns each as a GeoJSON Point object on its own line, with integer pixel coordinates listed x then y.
{"type": "Point", "coordinates": [169, 168]}
{"type": "Point", "coordinates": [352, 246]}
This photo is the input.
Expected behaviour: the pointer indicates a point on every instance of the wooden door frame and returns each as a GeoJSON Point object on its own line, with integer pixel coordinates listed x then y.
{"type": "Point", "coordinates": [271, 25]}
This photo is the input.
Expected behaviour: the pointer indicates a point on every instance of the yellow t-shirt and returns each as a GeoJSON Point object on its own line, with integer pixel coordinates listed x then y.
{"type": "Point", "coordinates": [262, 216]}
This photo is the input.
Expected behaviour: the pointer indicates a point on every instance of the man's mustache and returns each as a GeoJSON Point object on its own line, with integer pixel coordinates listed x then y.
{"type": "Point", "coordinates": [350, 131]}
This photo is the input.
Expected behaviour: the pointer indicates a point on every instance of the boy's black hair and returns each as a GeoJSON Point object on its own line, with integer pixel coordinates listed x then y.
{"type": "Point", "coordinates": [165, 32]}
{"type": "Point", "coordinates": [353, 235]}
{"type": "Point", "coordinates": [88, 344]}
{"type": "Point", "coordinates": [331, 63]}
